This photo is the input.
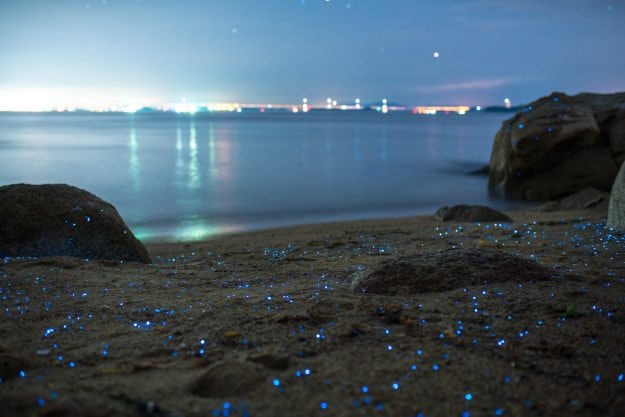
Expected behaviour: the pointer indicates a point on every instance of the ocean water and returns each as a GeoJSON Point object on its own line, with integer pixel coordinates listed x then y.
{"type": "Point", "coordinates": [190, 177]}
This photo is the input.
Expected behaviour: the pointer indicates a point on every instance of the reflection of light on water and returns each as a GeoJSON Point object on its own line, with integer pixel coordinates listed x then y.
{"type": "Point", "coordinates": [133, 145]}
{"type": "Point", "coordinates": [187, 230]}
{"type": "Point", "coordinates": [196, 229]}
{"type": "Point", "coordinates": [357, 146]}
{"type": "Point", "coordinates": [179, 159]}
{"type": "Point", "coordinates": [213, 170]}
{"type": "Point", "coordinates": [194, 169]}
{"type": "Point", "coordinates": [383, 150]}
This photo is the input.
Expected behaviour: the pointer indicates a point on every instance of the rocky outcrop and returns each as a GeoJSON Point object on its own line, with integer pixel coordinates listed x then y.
{"type": "Point", "coordinates": [447, 270]}
{"type": "Point", "coordinates": [61, 220]}
{"type": "Point", "coordinates": [464, 213]}
{"type": "Point", "coordinates": [616, 210]}
{"type": "Point", "coordinates": [558, 145]}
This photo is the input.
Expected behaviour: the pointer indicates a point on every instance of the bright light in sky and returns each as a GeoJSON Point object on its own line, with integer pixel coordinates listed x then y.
{"type": "Point", "coordinates": [436, 54]}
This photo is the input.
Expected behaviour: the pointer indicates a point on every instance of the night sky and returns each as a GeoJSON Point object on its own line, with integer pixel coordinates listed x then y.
{"type": "Point", "coordinates": [257, 51]}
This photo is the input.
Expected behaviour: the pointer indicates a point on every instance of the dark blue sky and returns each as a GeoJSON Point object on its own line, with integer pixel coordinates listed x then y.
{"type": "Point", "coordinates": [283, 50]}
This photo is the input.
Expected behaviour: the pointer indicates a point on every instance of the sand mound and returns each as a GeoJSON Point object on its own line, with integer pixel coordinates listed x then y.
{"type": "Point", "coordinates": [447, 270]}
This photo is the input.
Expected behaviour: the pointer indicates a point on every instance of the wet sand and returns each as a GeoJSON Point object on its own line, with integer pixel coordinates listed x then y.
{"type": "Point", "coordinates": [265, 324]}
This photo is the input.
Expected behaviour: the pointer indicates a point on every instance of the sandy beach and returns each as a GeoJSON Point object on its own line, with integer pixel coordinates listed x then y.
{"type": "Point", "coordinates": [266, 324]}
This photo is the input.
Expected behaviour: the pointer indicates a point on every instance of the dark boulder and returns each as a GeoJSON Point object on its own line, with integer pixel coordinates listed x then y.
{"type": "Point", "coordinates": [558, 145]}
{"type": "Point", "coordinates": [447, 270]}
{"type": "Point", "coordinates": [464, 213]}
{"type": "Point", "coordinates": [61, 220]}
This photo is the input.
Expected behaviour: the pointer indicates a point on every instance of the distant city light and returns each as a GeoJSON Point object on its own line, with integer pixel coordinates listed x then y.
{"type": "Point", "coordinates": [445, 109]}
{"type": "Point", "coordinates": [507, 102]}
{"type": "Point", "coordinates": [478, 108]}
{"type": "Point", "coordinates": [54, 101]}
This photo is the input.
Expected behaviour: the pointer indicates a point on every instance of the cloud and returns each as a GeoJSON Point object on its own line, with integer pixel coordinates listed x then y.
{"type": "Point", "coordinates": [488, 84]}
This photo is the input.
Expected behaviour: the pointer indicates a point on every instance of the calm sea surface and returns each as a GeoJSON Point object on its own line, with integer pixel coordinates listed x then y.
{"type": "Point", "coordinates": [188, 177]}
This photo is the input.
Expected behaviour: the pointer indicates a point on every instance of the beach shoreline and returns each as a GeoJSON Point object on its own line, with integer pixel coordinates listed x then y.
{"type": "Point", "coordinates": [266, 323]}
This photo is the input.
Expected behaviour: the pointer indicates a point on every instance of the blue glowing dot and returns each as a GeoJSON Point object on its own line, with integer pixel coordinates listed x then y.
{"type": "Point", "coordinates": [389, 347]}
{"type": "Point", "coordinates": [276, 382]}
{"type": "Point", "coordinates": [226, 405]}
{"type": "Point", "coordinates": [499, 411]}
{"type": "Point", "coordinates": [323, 405]}
{"type": "Point", "coordinates": [465, 414]}
{"type": "Point", "coordinates": [307, 371]}
{"type": "Point", "coordinates": [620, 378]}
{"type": "Point", "coordinates": [365, 388]}
{"type": "Point", "coordinates": [468, 396]}
{"type": "Point", "coordinates": [22, 374]}
{"type": "Point", "coordinates": [105, 352]}
{"type": "Point", "coordinates": [419, 352]}
{"type": "Point", "coordinates": [521, 126]}
{"type": "Point", "coordinates": [597, 378]}
{"type": "Point", "coordinates": [72, 364]}
{"type": "Point", "coordinates": [413, 367]}
{"type": "Point", "coordinates": [501, 342]}
{"type": "Point", "coordinates": [395, 386]}
{"type": "Point", "coordinates": [435, 367]}
{"type": "Point", "coordinates": [41, 402]}
{"type": "Point", "coordinates": [88, 219]}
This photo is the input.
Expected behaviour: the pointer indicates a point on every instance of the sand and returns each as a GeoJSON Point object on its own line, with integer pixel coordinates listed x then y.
{"type": "Point", "coordinates": [266, 324]}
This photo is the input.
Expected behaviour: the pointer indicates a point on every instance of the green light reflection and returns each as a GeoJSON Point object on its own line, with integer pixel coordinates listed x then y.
{"type": "Point", "coordinates": [187, 230]}
{"type": "Point", "coordinates": [134, 169]}
{"type": "Point", "coordinates": [195, 180]}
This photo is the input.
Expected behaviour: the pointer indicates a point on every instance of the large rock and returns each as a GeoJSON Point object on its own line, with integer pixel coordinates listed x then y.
{"type": "Point", "coordinates": [464, 213]}
{"type": "Point", "coordinates": [616, 210]}
{"type": "Point", "coordinates": [447, 270]}
{"type": "Point", "coordinates": [61, 220]}
{"type": "Point", "coordinates": [558, 145]}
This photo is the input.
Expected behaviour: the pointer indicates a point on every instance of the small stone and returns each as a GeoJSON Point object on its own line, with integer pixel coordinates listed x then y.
{"type": "Point", "coordinates": [229, 378]}
{"type": "Point", "coordinates": [584, 199]}
{"type": "Point", "coordinates": [464, 213]}
{"type": "Point", "coordinates": [271, 360]}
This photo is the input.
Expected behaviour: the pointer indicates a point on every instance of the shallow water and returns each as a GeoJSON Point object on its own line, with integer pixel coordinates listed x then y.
{"type": "Point", "coordinates": [188, 177]}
